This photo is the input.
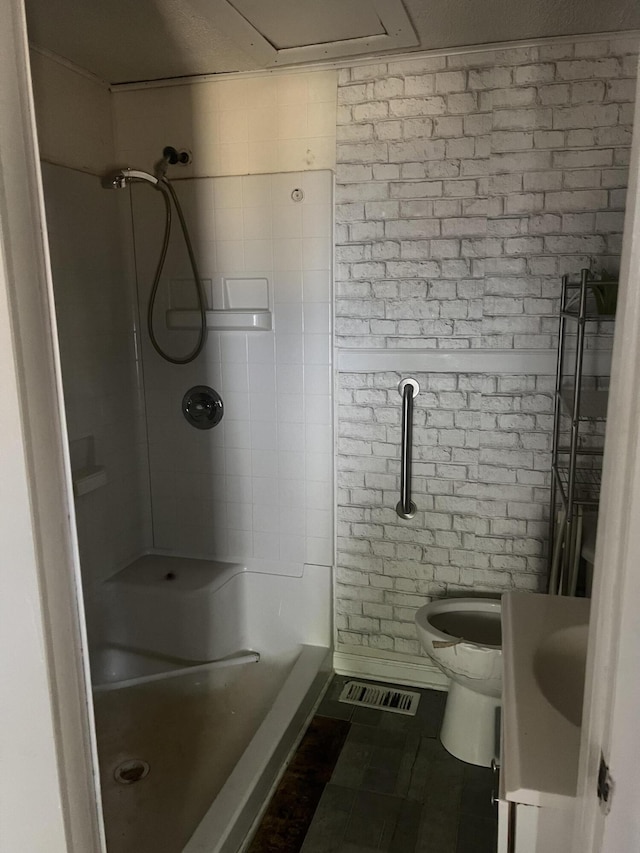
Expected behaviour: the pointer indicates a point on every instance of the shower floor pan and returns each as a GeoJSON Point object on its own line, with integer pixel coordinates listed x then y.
{"type": "Point", "coordinates": [179, 689]}
{"type": "Point", "coordinates": [214, 741]}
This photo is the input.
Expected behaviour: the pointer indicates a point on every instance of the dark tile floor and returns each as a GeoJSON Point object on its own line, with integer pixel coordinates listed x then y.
{"type": "Point", "coordinates": [395, 788]}
{"type": "Point", "coordinates": [291, 808]}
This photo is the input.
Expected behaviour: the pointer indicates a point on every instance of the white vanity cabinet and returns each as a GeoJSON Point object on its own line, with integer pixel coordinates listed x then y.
{"type": "Point", "coordinates": [544, 642]}
{"type": "Point", "coordinates": [533, 829]}
{"type": "Point", "coordinates": [524, 828]}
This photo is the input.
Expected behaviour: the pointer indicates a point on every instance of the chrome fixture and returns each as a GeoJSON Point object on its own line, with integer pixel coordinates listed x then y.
{"type": "Point", "coordinates": [176, 157]}
{"type": "Point", "coordinates": [120, 180]}
{"type": "Point", "coordinates": [202, 407]}
{"type": "Point", "coordinates": [409, 389]}
{"type": "Point", "coordinates": [171, 157]}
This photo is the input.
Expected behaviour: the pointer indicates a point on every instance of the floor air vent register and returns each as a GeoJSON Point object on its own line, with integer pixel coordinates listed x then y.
{"type": "Point", "coordinates": [383, 698]}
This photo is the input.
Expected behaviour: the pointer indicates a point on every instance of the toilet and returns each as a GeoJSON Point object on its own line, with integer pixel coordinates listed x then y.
{"type": "Point", "coordinates": [463, 637]}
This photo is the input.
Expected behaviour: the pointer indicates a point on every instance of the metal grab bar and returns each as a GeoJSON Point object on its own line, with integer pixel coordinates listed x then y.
{"type": "Point", "coordinates": [409, 389]}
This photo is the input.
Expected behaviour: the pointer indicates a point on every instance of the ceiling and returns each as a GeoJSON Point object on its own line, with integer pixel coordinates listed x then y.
{"type": "Point", "coordinates": [121, 41]}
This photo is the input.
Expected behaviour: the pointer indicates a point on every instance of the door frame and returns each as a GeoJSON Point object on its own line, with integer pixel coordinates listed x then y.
{"type": "Point", "coordinates": [50, 800]}
{"type": "Point", "coordinates": [612, 690]}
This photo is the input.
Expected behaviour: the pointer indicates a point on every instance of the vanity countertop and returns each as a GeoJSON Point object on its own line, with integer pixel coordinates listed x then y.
{"type": "Point", "coordinates": [544, 651]}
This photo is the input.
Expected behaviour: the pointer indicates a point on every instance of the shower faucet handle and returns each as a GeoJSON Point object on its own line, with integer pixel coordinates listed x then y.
{"type": "Point", "coordinates": [202, 407]}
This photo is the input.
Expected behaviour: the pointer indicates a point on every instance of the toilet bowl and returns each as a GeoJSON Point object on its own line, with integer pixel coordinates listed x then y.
{"type": "Point", "coordinates": [462, 636]}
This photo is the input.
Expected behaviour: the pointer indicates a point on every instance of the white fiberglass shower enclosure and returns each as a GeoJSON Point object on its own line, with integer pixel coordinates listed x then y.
{"type": "Point", "coordinates": [206, 553]}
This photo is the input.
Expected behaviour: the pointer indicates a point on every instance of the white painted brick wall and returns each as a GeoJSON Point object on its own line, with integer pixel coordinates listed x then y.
{"type": "Point", "coordinates": [498, 144]}
{"type": "Point", "coordinates": [467, 185]}
{"type": "Point", "coordinates": [481, 459]}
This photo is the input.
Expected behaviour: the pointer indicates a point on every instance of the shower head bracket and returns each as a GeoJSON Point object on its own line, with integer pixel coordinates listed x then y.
{"type": "Point", "coordinates": [170, 154]}
{"type": "Point", "coordinates": [120, 179]}
{"type": "Point", "coordinates": [175, 157]}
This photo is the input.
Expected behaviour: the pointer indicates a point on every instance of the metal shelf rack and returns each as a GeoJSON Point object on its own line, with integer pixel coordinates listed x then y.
{"type": "Point", "coordinates": [575, 482]}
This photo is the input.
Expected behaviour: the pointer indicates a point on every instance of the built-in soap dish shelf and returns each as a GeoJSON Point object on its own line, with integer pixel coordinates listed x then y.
{"type": "Point", "coordinates": [224, 319]}
{"type": "Point", "coordinates": [86, 474]}
{"type": "Point", "coordinates": [87, 480]}
{"type": "Point", "coordinates": [235, 304]}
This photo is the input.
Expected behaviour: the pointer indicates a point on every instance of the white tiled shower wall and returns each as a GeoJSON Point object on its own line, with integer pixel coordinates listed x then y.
{"type": "Point", "coordinates": [259, 486]}
{"type": "Point", "coordinates": [467, 184]}
{"type": "Point", "coordinates": [96, 298]}
{"type": "Point", "coordinates": [102, 387]}
{"type": "Point", "coordinates": [95, 311]}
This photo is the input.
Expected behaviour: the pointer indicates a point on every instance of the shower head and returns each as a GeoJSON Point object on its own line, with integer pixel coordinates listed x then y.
{"type": "Point", "coordinates": [120, 179]}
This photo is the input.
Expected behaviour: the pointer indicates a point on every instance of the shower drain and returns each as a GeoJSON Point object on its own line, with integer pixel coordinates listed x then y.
{"type": "Point", "coordinates": [131, 771]}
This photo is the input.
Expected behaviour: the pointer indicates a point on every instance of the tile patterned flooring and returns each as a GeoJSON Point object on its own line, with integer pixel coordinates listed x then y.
{"type": "Point", "coordinates": [394, 787]}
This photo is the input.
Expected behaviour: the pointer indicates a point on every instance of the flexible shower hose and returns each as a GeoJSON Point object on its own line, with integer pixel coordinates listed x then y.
{"type": "Point", "coordinates": [169, 194]}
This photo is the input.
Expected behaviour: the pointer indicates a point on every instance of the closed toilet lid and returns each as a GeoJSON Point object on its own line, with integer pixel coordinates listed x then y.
{"type": "Point", "coordinates": [476, 627]}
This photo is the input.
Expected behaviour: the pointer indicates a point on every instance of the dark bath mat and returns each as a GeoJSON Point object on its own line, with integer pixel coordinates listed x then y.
{"type": "Point", "coordinates": [289, 814]}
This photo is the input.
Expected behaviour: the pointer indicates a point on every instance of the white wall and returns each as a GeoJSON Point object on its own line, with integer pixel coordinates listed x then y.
{"type": "Point", "coordinates": [73, 109]}
{"type": "Point", "coordinates": [31, 748]}
{"type": "Point", "coordinates": [242, 125]}
{"type": "Point", "coordinates": [102, 386]}
{"type": "Point", "coordinates": [48, 799]}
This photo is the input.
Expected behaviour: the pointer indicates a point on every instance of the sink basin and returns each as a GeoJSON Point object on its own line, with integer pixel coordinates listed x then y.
{"type": "Point", "coordinates": [544, 652]}
{"type": "Point", "coordinates": [558, 665]}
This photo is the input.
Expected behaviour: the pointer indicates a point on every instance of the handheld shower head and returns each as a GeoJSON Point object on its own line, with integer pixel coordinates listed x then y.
{"type": "Point", "coordinates": [120, 179]}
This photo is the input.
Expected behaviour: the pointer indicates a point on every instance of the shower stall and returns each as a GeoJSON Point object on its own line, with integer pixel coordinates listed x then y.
{"type": "Point", "coordinates": [203, 482]}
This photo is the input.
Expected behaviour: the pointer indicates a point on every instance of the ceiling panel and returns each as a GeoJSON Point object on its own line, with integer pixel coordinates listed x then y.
{"type": "Point", "coordinates": [296, 23]}
{"type": "Point", "coordinates": [285, 32]}
{"type": "Point", "coordinates": [124, 41]}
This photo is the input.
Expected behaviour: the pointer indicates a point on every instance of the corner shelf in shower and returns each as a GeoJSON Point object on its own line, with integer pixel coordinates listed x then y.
{"type": "Point", "coordinates": [222, 320]}
{"type": "Point", "coordinates": [87, 480]}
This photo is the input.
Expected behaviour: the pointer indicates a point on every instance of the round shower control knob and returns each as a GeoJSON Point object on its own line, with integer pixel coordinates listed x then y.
{"type": "Point", "coordinates": [202, 407]}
